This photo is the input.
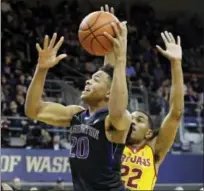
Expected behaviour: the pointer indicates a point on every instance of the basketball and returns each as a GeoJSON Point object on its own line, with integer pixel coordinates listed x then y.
{"type": "Point", "coordinates": [91, 32]}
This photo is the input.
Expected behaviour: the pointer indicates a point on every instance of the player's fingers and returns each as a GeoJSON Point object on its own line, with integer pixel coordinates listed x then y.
{"type": "Point", "coordinates": [52, 41]}
{"type": "Point", "coordinates": [167, 36]}
{"type": "Point", "coordinates": [172, 37]}
{"type": "Point", "coordinates": [102, 8]}
{"type": "Point", "coordinates": [160, 50]}
{"type": "Point", "coordinates": [116, 43]}
{"type": "Point", "coordinates": [112, 11]}
{"type": "Point", "coordinates": [107, 8]}
{"type": "Point", "coordinates": [178, 40]}
{"type": "Point", "coordinates": [124, 28]}
{"type": "Point", "coordinates": [115, 28]}
{"type": "Point", "coordinates": [39, 49]}
{"type": "Point", "coordinates": [59, 44]}
{"type": "Point", "coordinates": [164, 38]}
{"type": "Point", "coordinates": [60, 57]}
{"type": "Point", "coordinates": [46, 40]}
{"type": "Point", "coordinates": [124, 24]}
{"type": "Point", "coordinates": [109, 37]}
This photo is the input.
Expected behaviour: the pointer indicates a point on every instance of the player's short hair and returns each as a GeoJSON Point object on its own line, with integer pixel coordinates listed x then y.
{"type": "Point", "coordinates": [154, 129]}
{"type": "Point", "coordinates": [109, 69]}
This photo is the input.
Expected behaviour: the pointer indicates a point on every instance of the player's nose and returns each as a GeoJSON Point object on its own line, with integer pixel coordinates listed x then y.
{"type": "Point", "coordinates": [88, 82]}
{"type": "Point", "coordinates": [133, 126]}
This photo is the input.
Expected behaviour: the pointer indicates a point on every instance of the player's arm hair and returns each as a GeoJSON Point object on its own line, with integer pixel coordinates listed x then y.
{"type": "Point", "coordinates": [120, 118]}
{"type": "Point", "coordinates": [171, 122]}
{"type": "Point", "coordinates": [47, 112]}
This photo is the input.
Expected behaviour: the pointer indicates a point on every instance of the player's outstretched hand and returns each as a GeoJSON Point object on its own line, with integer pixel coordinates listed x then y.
{"type": "Point", "coordinates": [48, 55]}
{"type": "Point", "coordinates": [120, 42]}
{"type": "Point", "coordinates": [173, 49]}
{"type": "Point", "coordinates": [110, 57]}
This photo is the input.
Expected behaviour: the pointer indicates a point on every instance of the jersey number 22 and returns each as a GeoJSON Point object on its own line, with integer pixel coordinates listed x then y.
{"type": "Point", "coordinates": [125, 172]}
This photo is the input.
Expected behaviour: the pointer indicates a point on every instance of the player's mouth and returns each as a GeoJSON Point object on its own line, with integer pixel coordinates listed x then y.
{"type": "Point", "coordinates": [86, 89]}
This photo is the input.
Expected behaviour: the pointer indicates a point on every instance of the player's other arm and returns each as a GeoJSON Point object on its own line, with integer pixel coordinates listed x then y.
{"type": "Point", "coordinates": [118, 101]}
{"type": "Point", "coordinates": [172, 120]}
{"type": "Point", "coordinates": [35, 108]}
{"type": "Point", "coordinates": [110, 57]}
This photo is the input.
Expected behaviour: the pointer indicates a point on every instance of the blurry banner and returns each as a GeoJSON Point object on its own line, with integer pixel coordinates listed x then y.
{"type": "Point", "coordinates": [182, 168]}
{"type": "Point", "coordinates": [35, 165]}
{"type": "Point", "coordinates": [48, 166]}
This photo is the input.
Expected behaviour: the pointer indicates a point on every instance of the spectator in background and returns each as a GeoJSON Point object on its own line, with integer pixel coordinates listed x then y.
{"type": "Point", "coordinates": [191, 95]}
{"type": "Point", "coordinates": [141, 85]}
{"type": "Point", "coordinates": [33, 189]}
{"type": "Point", "coordinates": [158, 74]}
{"type": "Point", "coordinates": [55, 143]}
{"type": "Point", "coordinates": [23, 26]}
{"type": "Point", "coordinates": [59, 185]}
{"type": "Point", "coordinates": [6, 187]}
{"type": "Point", "coordinates": [16, 184]}
{"type": "Point", "coordinates": [138, 68]}
{"type": "Point", "coordinates": [195, 84]}
{"type": "Point", "coordinates": [20, 100]}
{"type": "Point", "coordinates": [130, 70]}
{"type": "Point", "coordinates": [5, 6]}
{"type": "Point", "coordinates": [5, 124]}
{"type": "Point", "coordinates": [35, 136]}
{"type": "Point", "coordinates": [179, 188]}
{"type": "Point", "coordinates": [146, 77]}
{"type": "Point", "coordinates": [90, 67]}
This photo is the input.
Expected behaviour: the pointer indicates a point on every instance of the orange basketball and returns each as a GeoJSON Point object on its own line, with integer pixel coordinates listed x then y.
{"type": "Point", "coordinates": [91, 32]}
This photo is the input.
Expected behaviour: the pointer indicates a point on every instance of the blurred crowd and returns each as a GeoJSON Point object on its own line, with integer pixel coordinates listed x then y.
{"type": "Point", "coordinates": [17, 185]}
{"type": "Point", "coordinates": [23, 26]}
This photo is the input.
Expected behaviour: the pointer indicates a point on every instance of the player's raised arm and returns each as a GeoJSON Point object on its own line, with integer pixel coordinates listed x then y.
{"type": "Point", "coordinates": [171, 122]}
{"type": "Point", "coordinates": [118, 100]}
{"type": "Point", "coordinates": [35, 108]}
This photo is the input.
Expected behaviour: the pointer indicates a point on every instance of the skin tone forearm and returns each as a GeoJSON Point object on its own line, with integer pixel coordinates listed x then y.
{"type": "Point", "coordinates": [118, 100]}
{"type": "Point", "coordinates": [110, 57]}
{"type": "Point", "coordinates": [35, 90]}
{"type": "Point", "coordinates": [177, 88]}
{"type": "Point", "coordinates": [47, 59]}
{"type": "Point", "coordinates": [171, 122]}
{"type": "Point", "coordinates": [119, 95]}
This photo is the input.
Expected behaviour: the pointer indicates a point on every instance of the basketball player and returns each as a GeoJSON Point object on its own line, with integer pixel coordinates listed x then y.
{"type": "Point", "coordinates": [147, 145]}
{"type": "Point", "coordinates": [98, 135]}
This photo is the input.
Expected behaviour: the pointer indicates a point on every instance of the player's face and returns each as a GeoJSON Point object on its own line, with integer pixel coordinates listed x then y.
{"type": "Point", "coordinates": [140, 127]}
{"type": "Point", "coordinates": [97, 88]}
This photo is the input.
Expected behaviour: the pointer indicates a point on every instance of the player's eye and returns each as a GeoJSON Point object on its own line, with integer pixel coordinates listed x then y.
{"type": "Point", "coordinates": [96, 79]}
{"type": "Point", "coordinates": [139, 120]}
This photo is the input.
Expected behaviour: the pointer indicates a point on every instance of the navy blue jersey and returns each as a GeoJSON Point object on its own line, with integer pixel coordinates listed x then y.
{"type": "Point", "coordinates": [95, 161]}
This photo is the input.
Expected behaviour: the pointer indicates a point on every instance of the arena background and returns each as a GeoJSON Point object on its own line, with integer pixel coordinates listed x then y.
{"type": "Point", "coordinates": [36, 155]}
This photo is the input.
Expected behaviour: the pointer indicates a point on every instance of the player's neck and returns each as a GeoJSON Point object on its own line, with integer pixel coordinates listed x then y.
{"type": "Point", "coordinates": [139, 145]}
{"type": "Point", "coordinates": [96, 107]}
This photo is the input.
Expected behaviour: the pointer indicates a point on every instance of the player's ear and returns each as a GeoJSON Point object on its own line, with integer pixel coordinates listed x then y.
{"type": "Point", "coordinates": [149, 134]}
{"type": "Point", "coordinates": [107, 95]}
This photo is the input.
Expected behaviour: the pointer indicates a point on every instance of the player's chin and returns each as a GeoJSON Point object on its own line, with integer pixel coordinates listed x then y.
{"type": "Point", "coordinates": [85, 96]}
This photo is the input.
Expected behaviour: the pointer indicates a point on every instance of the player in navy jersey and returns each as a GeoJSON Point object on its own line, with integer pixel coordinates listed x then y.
{"type": "Point", "coordinates": [98, 134]}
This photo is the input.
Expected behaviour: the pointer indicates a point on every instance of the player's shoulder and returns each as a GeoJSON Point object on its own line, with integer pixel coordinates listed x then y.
{"type": "Point", "coordinates": [126, 150]}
